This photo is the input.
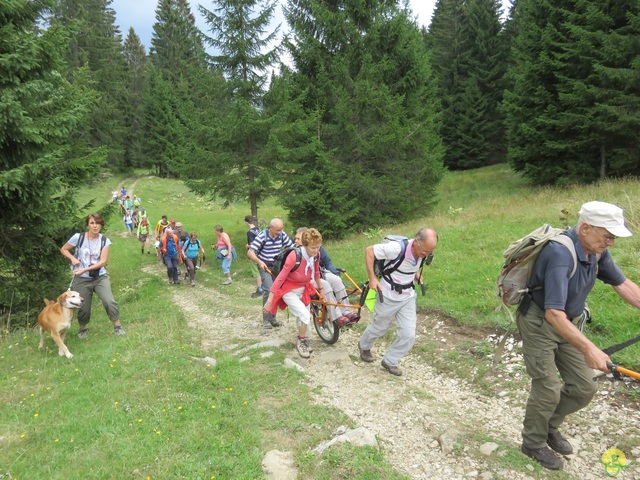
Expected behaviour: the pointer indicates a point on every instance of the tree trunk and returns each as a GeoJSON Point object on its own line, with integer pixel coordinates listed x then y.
{"type": "Point", "coordinates": [603, 162]}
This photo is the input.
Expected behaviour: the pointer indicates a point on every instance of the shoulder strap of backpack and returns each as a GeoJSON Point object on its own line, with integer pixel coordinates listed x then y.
{"type": "Point", "coordinates": [567, 242]}
{"type": "Point", "coordinates": [394, 264]}
{"type": "Point", "coordinates": [266, 232]}
{"type": "Point", "coordinates": [79, 244]}
{"type": "Point", "coordinates": [298, 258]}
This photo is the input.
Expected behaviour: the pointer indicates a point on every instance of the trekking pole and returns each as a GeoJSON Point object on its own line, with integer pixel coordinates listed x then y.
{"type": "Point", "coordinates": [625, 371]}
{"type": "Point", "coordinates": [616, 348]}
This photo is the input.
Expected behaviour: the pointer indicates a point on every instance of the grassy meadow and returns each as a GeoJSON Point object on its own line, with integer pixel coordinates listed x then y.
{"type": "Point", "coordinates": [140, 407]}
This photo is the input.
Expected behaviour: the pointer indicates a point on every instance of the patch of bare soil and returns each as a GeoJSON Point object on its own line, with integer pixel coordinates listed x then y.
{"type": "Point", "coordinates": [430, 424]}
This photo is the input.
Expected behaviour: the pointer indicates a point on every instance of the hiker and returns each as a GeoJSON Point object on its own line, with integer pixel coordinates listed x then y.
{"type": "Point", "coordinates": [159, 230]}
{"type": "Point", "coordinates": [170, 250]}
{"type": "Point", "coordinates": [190, 249]}
{"type": "Point", "coordinates": [224, 253]}
{"type": "Point", "coordinates": [90, 273]}
{"type": "Point", "coordinates": [254, 230]}
{"type": "Point", "coordinates": [334, 291]}
{"type": "Point", "coordinates": [551, 319]}
{"type": "Point", "coordinates": [144, 232]}
{"type": "Point", "coordinates": [293, 288]}
{"type": "Point", "coordinates": [398, 300]}
{"type": "Point", "coordinates": [262, 251]}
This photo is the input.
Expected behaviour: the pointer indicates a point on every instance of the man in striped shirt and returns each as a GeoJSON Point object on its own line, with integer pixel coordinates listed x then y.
{"type": "Point", "coordinates": [263, 250]}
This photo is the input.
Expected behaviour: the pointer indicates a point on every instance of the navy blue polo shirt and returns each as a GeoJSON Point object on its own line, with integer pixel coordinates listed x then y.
{"type": "Point", "coordinates": [553, 268]}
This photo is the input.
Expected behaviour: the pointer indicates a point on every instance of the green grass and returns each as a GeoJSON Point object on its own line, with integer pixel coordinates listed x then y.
{"type": "Point", "coordinates": [140, 407]}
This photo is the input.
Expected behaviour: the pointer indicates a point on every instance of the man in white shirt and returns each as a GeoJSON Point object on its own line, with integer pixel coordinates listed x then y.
{"type": "Point", "coordinates": [398, 299]}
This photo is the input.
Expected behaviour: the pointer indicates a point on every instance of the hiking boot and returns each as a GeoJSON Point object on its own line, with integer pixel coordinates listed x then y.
{"type": "Point", "coordinates": [193, 283]}
{"type": "Point", "coordinates": [118, 330]}
{"type": "Point", "coordinates": [83, 333]}
{"type": "Point", "coordinates": [227, 281]}
{"type": "Point", "coordinates": [558, 443]}
{"type": "Point", "coordinates": [365, 355]}
{"type": "Point", "coordinates": [257, 294]}
{"type": "Point", "coordinates": [303, 347]}
{"type": "Point", "coordinates": [343, 320]}
{"type": "Point", "coordinates": [544, 457]}
{"type": "Point", "coordinates": [392, 369]}
{"type": "Point", "coordinates": [276, 324]}
{"type": "Point", "coordinates": [353, 317]}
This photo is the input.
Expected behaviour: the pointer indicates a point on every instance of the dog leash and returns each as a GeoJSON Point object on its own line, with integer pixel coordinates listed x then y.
{"type": "Point", "coordinates": [73, 276]}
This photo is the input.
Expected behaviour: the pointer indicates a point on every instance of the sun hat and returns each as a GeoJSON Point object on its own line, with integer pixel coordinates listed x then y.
{"type": "Point", "coordinates": [605, 215]}
{"type": "Point", "coordinates": [178, 224]}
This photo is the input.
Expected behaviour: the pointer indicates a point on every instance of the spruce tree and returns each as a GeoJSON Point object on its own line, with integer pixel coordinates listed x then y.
{"type": "Point", "coordinates": [573, 108]}
{"type": "Point", "coordinates": [363, 82]}
{"type": "Point", "coordinates": [238, 168]}
{"type": "Point", "coordinates": [38, 173]}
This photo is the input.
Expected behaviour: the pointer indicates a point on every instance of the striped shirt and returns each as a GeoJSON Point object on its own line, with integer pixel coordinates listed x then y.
{"type": "Point", "coordinates": [267, 248]}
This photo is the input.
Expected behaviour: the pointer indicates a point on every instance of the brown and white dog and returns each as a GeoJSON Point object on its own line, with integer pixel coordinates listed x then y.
{"type": "Point", "coordinates": [56, 317]}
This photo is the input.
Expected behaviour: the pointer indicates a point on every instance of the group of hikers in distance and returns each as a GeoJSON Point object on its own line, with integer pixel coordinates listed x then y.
{"type": "Point", "coordinates": [558, 356]}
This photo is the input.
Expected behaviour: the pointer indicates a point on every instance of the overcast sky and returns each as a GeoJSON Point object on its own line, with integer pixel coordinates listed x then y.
{"type": "Point", "coordinates": [140, 14]}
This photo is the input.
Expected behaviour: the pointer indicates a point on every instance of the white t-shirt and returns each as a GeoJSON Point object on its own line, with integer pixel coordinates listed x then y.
{"type": "Point", "coordinates": [405, 273]}
{"type": "Point", "coordinates": [89, 253]}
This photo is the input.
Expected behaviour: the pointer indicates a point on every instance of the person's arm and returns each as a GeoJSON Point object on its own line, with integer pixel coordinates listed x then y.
{"type": "Point", "coordinates": [369, 259]}
{"type": "Point", "coordinates": [65, 250]}
{"type": "Point", "coordinates": [629, 292]}
{"type": "Point", "coordinates": [593, 356]}
{"type": "Point", "coordinates": [227, 240]}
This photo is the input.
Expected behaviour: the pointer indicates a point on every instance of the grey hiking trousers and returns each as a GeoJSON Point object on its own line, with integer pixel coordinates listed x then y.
{"type": "Point", "coordinates": [551, 398]}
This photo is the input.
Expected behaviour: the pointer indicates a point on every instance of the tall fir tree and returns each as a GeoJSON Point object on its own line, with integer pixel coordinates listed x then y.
{"type": "Point", "coordinates": [172, 120]}
{"type": "Point", "coordinates": [137, 67]}
{"type": "Point", "coordinates": [572, 111]}
{"type": "Point", "coordinates": [96, 44]}
{"type": "Point", "coordinates": [38, 174]}
{"type": "Point", "coordinates": [364, 84]}
{"type": "Point", "coordinates": [238, 168]}
{"type": "Point", "coordinates": [469, 61]}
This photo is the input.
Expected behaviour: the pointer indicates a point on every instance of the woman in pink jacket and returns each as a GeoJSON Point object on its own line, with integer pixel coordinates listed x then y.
{"type": "Point", "coordinates": [292, 287]}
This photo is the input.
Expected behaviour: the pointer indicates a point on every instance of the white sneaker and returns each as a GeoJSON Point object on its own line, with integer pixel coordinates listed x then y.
{"type": "Point", "coordinates": [303, 348]}
{"type": "Point", "coordinates": [227, 281]}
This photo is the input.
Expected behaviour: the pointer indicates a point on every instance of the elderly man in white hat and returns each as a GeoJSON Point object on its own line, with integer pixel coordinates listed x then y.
{"type": "Point", "coordinates": [550, 321]}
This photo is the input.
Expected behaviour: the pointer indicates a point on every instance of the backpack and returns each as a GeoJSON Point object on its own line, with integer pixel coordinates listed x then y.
{"type": "Point", "coordinates": [103, 241]}
{"type": "Point", "coordinates": [520, 257]}
{"type": "Point", "coordinates": [172, 248]}
{"type": "Point", "coordinates": [192, 248]}
{"type": "Point", "coordinates": [383, 268]}
{"type": "Point", "coordinates": [278, 262]}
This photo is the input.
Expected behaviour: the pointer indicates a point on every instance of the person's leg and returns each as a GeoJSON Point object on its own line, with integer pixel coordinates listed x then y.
{"type": "Point", "coordinates": [406, 332]}
{"type": "Point", "coordinates": [167, 261]}
{"type": "Point", "coordinates": [579, 386]}
{"type": "Point", "coordinates": [191, 268]}
{"type": "Point", "coordinates": [539, 347]}
{"type": "Point", "coordinates": [174, 269]}
{"type": "Point", "coordinates": [383, 314]}
{"type": "Point", "coordinates": [226, 269]}
{"type": "Point", "coordinates": [267, 318]}
{"type": "Point", "coordinates": [84, 286]}
{"type": "Point", "coordinates": [293, 299]}
{"type": "Point", "coordinates": [103, 290]}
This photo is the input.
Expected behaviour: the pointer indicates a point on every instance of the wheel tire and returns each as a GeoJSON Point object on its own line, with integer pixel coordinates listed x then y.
{"type": "Point", "coordinates": [327, 330]}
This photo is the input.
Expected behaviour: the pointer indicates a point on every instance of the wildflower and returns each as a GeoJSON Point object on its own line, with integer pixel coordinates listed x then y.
{"type": "Point", "coordinates": [56, 440]}
{"type": "Point", "coordinates": [36, 414]}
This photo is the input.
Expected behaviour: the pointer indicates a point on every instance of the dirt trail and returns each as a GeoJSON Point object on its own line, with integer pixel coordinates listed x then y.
{"type": "Point", "coordinates": [412, 415]}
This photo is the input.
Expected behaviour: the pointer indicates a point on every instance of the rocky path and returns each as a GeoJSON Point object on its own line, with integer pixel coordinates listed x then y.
{"type": "Point", "coordinates": [431, 426]}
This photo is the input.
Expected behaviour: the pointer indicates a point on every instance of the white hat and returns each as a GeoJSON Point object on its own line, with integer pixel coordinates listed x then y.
{"type": "Point", "coordinates": [605, 215]}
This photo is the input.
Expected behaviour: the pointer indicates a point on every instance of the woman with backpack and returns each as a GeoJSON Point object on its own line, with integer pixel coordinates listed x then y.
{"type": "Point", "coordinates": [225, 252]}
{"type": "Point", "coordinates": [170, 249]}
{"type": "Point", "coordinates": [293, 288]}
{"type": "Point", "coordinates": [190, 250]}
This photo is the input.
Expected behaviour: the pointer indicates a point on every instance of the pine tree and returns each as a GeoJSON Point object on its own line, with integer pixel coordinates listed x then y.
{"type": "Point", "coordinates": [41, 110]}
{"type": "Point", "coordinates": [239, 169]}
{"type": "Point", "coordinates": [469, 62]}
{"type": "Point", "coordinates": [363, 81]}
{"type": "Point", "coordinates": [137, 66]}
{"type": "Point", "coordinates": [573, 108]}
{"type": "Point", "coordinates": [96, 44]}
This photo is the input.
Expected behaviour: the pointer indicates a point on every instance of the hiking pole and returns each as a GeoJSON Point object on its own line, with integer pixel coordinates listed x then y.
{"type": "Point", "coordinates": [616, 348]}
{"type": "Point", "coordinates": [427, 260]}
{"type": "Point", "coordinates": [380, 294]}
{"type": "Point", "coordinates": [625, 371]}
